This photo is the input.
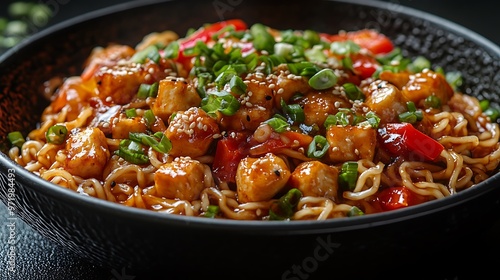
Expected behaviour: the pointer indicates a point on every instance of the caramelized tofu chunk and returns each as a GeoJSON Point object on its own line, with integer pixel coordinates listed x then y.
{"type": "Point", "coordinates": [87, 153]}
{"type": "Point", "coordinates": [351, 143]}
{"type": "Point", "coordinates": [385, 100]}
{"type": "Point", "coordinates": [314, 178]}
{"type": "Point", "coordinates": [191, 132]}
{"type": "Point", "coordinates": [427, 83]}
{"type": "Point", "coordinates": [174, 95]}
{"type": "Point", "coordinates": [183, 178]}
{"type": "Point", "coordinates": [260, 179]}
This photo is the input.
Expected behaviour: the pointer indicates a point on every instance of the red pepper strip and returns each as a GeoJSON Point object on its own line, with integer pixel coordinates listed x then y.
{"type": "Point", "coordinates": [228, 154]}
{"type": "Point", "coordinates": [404, 139]}
{"type": "Point", "coordinates": [205, 34]}
{"type": "Point", "coordinates": [375, 42]}
{"type": "Point", "coordinates": [396, 197]}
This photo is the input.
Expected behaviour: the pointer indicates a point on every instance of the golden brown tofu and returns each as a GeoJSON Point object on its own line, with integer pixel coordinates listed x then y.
{"type": "Point", "coordinates": [399, 79]}
{"type": "Point", "coordinates": [87, 153]}
{"type": "Point", "coordinates": [260, 179]}
{"type": "Point", "coordinates": [183, 178]}
{"type": "Point", "coordinates": [191, 132]}
{"type": "Point", "coordinates": [385, 100]}
{"type": "Point", "coordinates": [124, 126]}
{"type": "Point", "coordinates": [350, 143]}
{"type": "Point", "coordinates": [174, 95]}
{"type": "Point", "coordinates": [314, 178]}
{"type": "Point", "coordinates": [318, 105]}
{"type": "Point", "coordinates": [427, 83]}
{"type": "Point", "coordinates": [256, 106]}
{"type": "Point", "coordinates": [120, 83]}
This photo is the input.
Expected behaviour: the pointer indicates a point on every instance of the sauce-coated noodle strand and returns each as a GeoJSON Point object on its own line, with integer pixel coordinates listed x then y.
{"type": "Point", "coordinates": [319, 208]}
{"type": "Point", "coordinates": [237, 214]}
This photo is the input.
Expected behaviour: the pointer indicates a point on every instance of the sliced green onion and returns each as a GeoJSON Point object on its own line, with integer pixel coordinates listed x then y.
{"type": "Point", "coordinates": [303, 68]}
{"type": "Point", "coordinates": [172, 50]}
{"type": "Point", "coordinates": [318, 147]}
{"type": "Point", "coordinates": [355, 211]}
{"type": "Point", "coordinates": [492, 113]}
{"type": "Point", "coordinates": [329, 121]}
{"type": "Point", "coordinates": [16, 138]}
{"type": "Point", "coordinates": [237, 85]}
{"type": "Point", "coordinates": [56, 134]}
{"type": "Point", "coordinates": [150, 52]}
{"type": "Point", "coordinates": [262, 39]}
{"type": "Point", "coordinates": [212, 211]}
{"type": "Point", "coordinates": [432, 101]}
{"type": "Point", "coordinates": [349, 175]}
{"type": "Point", "coordinates": [347, 63]}
{"type": "Point", "coordinates": [284, 207]}
{"type": "Point", "coordinates": [278, 124]}
{"type": "Point", "coordinates": [342, 117]}
{"type": "Point", "coordinates": [316, 54]}
{"type": "Point", "coordinates": [222, 102]}
{"type": "Point", "coordinates": [283, 49]}
{"type": "Point", "coordinates": [149, 117]}
{"type": "Point", "coordinates": [163, 145]}
{"type": "Point", "coordinates": [412, 115]}
{"type": "Point", "coordinates": [143, 91]}
{"type": "Point", "coordinates": [153, 90]}
{"type": "Point", "coordinates": [454, 78]}
{"type": "Point", "coordinates": [484, 104]}
{"type": "Point", "coordinates": [293, 111]}
{"type": "Point", "coordinates": [344, 47]}
{"type": "Point", "coordinates": [312, 37]}
{"type": "Point", "coordinates": [132, 152]}
{"type": "Point", "coordinates": [408, 117]}
{"type": "Point", "coordinates": [147, 90]}
{"type": "Point", "coordinates": [373, 119]}
{"type": "Point", "coordinates": [324, 79]}
{"type": "Point", "coordinates": [131, 113]}
{"type": "Point", "coordinates": [418, 64]}
{"type": "Point", "coordinates": [353, 92]}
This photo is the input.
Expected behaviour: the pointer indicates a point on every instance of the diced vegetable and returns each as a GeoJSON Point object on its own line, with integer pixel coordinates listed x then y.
{"type": "Point", "coordinates": [284, 208]}
{"type": "Point", "coordinates": [402, 139]}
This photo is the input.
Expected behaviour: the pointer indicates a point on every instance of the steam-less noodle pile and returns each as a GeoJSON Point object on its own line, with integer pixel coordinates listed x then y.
{"type": "Point", "coordinates": [253, 123]}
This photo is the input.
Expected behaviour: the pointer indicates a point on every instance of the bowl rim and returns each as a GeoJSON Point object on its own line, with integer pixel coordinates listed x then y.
{"type": "Point", "coordinates": [30, 180]}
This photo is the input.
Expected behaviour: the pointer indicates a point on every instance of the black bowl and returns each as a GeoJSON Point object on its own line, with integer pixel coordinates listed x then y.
{"type": "Point", "coordinates": [145, 242]}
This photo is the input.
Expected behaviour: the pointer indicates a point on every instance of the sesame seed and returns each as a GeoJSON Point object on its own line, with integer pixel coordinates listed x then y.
{"type": "Point", "coordinates": [280, 91]}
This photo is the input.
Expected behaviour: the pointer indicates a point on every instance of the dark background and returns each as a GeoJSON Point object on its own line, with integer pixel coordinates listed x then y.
{"type": "Point", "coordinates": [37, 258]}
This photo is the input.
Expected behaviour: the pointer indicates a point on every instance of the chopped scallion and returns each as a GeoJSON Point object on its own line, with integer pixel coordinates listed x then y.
{"type": "Point", "coordinates": [132, 152]}
{"type": "Point", "coordinates": [349, 175]}
{"type": "Point", "coordinates": [131, 113]}
{"type": "Point", "coordinates": [318, 147]}
{"type": "Point", "coordinates": [56, 134]}
{"type": "Point", "coordinates": [324, 79]}
{"type": "Point", "coordinates": [16, 138]}
{"type": "Point", "coordinates": [284, 207]}
{"type": "Point", "coordinates": [278, 124]}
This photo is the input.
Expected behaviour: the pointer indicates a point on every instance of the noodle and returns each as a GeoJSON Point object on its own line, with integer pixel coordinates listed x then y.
{"type": "Point", "coordinates": [243, 129]}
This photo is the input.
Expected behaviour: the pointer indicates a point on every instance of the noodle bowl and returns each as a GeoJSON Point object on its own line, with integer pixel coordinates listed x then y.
{"type": "Point", "coordinates": [255, 123]}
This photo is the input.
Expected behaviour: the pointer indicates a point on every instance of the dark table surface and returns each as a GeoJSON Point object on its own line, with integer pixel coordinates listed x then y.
{"type": "Point", "coordinates": [38, 258]}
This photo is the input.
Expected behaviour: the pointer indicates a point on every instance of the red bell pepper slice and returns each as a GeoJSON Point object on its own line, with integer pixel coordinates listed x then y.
{"type": "Point", "coordinates": [375, 42]}
{"type": "Point", "coordinates": [228, 154]}
{"type": "Point", "coordinates": [205, 34]}
{"type": "Point", "coordinates": [393, 198]}
{"type": "Point", "coordinates": [404, 139]}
